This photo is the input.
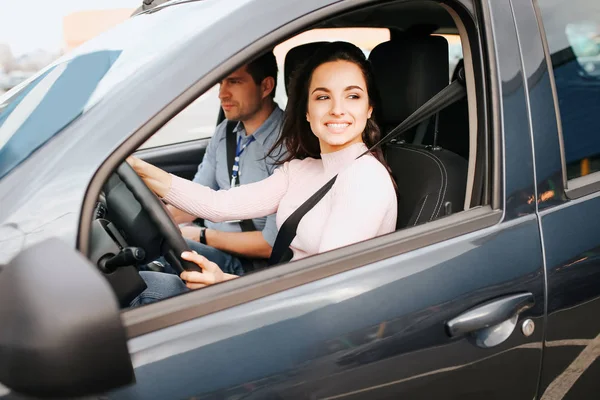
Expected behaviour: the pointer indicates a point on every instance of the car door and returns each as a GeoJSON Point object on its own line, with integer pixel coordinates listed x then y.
{"type": "Point", "coordinates": [450, 309]}
{"type": "Point", "coordinates": [565, 106]}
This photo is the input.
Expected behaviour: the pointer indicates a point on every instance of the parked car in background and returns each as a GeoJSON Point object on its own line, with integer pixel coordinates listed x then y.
{"type": "Point", "coordinates": [488, 289]}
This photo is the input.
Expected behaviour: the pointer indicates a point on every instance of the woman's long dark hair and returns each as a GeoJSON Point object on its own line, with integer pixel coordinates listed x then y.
{"type": "Point", "coordinates": [296, 135]}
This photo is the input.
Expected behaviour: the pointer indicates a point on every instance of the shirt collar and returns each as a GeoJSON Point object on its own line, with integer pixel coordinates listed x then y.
{"type": "Point", "coordinates": [269, 126]}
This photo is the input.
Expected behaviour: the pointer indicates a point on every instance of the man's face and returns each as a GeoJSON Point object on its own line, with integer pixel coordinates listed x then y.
{"type": "Point", "coordinates": [241, 98]}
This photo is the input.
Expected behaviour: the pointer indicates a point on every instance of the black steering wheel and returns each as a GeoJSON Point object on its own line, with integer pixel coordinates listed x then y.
{"type": "Point", "coordinates": [150, 227]}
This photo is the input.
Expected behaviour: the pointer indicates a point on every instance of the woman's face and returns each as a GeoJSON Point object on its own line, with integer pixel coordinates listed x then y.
{"type": "Point", "coordinates": [338, 105]}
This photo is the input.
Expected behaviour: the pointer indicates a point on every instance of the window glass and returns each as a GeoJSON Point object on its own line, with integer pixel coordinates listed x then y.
{"type": "Point", "coordinates": [196, 121]}
{"type": "Point", "coordinates": [573, 34]}
{"type": "Point", "coordinates": [199, 119]}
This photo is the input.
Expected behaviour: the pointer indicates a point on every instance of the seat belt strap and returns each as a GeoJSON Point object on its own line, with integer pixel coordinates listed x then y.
{"type": "Point", "coordinates": [246, 225]}
{"type": "Point", "coordinates": [450, 94]}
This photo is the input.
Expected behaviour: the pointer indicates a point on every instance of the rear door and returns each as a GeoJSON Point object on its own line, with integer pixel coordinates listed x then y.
{"type": "Point", "coordinates": [567, 147]}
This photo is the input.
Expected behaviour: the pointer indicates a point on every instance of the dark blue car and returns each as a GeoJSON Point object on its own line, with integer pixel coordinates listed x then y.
{"type": "Point", "coordinates": [488, 289]}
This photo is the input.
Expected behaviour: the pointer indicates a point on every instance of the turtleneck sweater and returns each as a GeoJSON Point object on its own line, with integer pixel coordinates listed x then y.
{"type": "Point", "coordinates": [361, 204]}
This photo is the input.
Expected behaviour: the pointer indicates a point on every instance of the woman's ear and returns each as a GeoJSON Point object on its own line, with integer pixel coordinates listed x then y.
{"type": "Point", "coordinates": [267, 86]}
{"type": "Point", "coordinates": [369, 112]}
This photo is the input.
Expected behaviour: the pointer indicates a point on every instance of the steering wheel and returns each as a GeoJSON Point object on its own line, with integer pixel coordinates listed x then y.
{"type": "Point", "coordinates": [153, 217]}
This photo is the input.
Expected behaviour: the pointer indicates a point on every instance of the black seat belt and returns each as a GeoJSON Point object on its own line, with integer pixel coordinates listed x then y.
{"type": "Point", "coordinates": [450, 94]}
{"type": "Point", "coordinates": [247, 225]}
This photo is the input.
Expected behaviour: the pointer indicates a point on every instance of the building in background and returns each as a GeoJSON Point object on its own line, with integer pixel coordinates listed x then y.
{"type": "Point", "coordinates": [81, 26]}
{"type": "Point", "coordinates": [77, 28]}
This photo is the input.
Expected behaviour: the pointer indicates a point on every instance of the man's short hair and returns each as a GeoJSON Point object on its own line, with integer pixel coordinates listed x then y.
{"type": "Point", "coordinates": [264, 66]}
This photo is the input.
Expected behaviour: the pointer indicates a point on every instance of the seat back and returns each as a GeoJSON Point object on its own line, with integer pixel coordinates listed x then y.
{"type": "Point", "coordinates": [431, 180]}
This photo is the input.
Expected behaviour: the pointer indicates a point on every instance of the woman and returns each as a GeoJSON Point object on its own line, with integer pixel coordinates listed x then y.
{"type": "Point", "coordinates": [328, 124]}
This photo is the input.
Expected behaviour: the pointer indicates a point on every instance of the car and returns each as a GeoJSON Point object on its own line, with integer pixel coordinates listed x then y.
{"type": "Point", "coordinates": [488, 289]}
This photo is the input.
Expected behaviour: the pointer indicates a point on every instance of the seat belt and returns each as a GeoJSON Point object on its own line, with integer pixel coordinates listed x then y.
{"type": "Point", "coordinates": [455, 91]}
{"type": "Point", "coordinates": [246, 225]}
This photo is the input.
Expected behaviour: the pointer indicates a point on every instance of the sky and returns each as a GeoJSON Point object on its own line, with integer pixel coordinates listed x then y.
{"type": "Point", "coordinates": [28, 25]}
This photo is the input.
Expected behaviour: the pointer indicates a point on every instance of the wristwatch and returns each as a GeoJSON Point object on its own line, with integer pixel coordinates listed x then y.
{"type": "Point", "coordinates": [202, 236]}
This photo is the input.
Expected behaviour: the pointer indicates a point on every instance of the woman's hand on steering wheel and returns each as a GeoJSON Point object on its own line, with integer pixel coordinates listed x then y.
{"type": "Point", "coordinates": [211, 273]}
{"type": "Point", "coordinates": [156, 179]}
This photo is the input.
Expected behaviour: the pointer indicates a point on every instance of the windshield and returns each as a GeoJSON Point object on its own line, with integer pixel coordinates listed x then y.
{"type": "Point", "coordinates": [35, 111]}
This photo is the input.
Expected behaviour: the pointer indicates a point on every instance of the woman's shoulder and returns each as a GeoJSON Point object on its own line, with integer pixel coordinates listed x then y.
{"type": "Point", "coordinates": [368, 173]}
{"type": "Point", "coordinates": [368, 166]}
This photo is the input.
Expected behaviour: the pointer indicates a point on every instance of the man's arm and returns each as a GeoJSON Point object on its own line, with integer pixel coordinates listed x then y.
{"type": "Point", "coordinates": [245, 244]}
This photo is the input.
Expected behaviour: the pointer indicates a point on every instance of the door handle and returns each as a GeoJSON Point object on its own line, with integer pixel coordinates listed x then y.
{"type": "Point", "coordinates": [492, 322]}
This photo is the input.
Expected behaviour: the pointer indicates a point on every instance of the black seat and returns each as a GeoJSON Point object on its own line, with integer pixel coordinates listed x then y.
{"type": "Point", "coordinates": [431, 180]}
{"type": "Point", "coordinates": [297, 56]}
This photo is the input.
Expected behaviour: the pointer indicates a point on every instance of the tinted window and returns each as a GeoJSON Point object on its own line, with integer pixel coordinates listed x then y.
{"type": "Point", "coordinates": [573, 32]}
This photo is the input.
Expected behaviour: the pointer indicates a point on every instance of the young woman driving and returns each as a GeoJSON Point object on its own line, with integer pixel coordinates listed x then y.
{"type": "Point", "coordinates": [328, 124]}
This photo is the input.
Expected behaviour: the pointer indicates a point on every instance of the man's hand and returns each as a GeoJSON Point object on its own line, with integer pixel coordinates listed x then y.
{"type": "Point", "coordinates": [191, 232]}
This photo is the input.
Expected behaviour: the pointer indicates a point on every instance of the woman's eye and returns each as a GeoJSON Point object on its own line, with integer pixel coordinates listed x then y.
{"type": "Point", "coordinates": [353, 96]}
{"type": "Point", "coordinates": [322, 97]}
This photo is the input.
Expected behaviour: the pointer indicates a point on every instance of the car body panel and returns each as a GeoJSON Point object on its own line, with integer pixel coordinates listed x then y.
{"type": "Point", "coordinates": [377, 331]}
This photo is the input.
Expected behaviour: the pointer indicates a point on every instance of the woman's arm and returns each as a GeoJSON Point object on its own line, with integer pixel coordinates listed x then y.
{"type": "Point", "coordinates": [253, 200]}
{"type": "Point", "coordinates": [155, 178]}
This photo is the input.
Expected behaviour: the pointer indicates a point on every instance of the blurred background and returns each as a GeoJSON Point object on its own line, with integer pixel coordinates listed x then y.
{"type": "Point", "coordinates": [33, 33]}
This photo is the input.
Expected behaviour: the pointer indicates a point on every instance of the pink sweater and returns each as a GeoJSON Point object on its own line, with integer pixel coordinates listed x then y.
{"type": "Point", "coordinates": [360, 205]}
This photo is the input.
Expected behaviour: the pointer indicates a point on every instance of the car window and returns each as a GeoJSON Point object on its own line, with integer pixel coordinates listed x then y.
{"type": "Point", "coordinates": [196, 121]}
{"type": "Point", "coordinates": [573, 34]}
{"type": "Point", "coordinates": [199, 119]}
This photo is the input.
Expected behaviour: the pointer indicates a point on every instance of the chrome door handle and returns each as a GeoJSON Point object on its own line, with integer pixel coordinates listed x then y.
{"type": "Point", "coordinates": [492, 322]}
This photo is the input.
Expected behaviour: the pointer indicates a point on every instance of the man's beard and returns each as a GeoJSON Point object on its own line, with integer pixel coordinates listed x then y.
{"type": "Point", "coordinates": [244, 115]}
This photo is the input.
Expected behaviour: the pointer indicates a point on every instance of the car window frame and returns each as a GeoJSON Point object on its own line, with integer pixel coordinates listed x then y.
{"type": "Point", "coordinates": [139, 321]}
{"type": "Point", "coordinates": [582, 185]}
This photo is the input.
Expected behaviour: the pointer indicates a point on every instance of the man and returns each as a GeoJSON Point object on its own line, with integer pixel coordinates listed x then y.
{"type": "Point", "coordinates": [247, 100]}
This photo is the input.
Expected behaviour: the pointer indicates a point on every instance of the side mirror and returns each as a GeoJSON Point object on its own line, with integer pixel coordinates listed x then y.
{"type": "Point", "coordinates": [61, 333]}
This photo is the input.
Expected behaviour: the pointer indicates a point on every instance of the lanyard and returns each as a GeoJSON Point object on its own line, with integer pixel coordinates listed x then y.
{"type": "Point", "coordinates": [236, 161]}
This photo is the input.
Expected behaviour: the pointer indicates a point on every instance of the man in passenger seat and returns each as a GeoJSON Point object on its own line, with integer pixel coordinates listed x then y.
{"type": "Point", "coordinates": [253, 120]}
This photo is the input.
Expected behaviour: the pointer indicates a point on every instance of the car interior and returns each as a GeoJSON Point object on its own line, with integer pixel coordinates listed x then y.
{"type": "Point", "coordinates": [439, 165]}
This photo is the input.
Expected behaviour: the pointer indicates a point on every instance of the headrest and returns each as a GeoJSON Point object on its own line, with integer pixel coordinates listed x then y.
{"type": "Point", "coordinates": [297, 56]}
{"type": "Point", "coordinates": [408, 72]}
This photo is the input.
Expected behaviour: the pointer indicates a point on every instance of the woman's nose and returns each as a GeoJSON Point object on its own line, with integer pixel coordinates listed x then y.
{"type": "Point", "coordinates": [337, 107]}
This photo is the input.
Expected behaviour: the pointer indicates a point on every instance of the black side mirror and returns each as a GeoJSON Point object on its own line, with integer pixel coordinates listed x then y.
{"type": "Point", "coordinates": [61, 333]}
